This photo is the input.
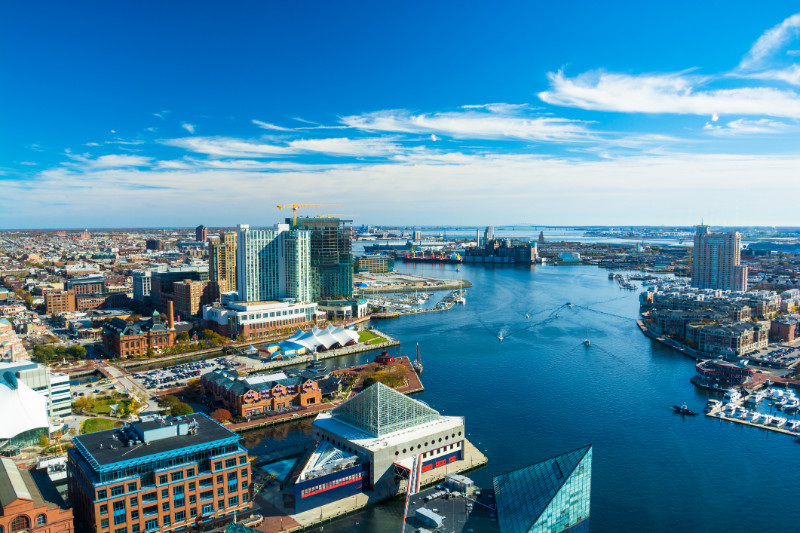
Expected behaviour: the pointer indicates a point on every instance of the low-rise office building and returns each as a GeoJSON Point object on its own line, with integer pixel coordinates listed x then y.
{"type": "Point", "coordinates": [159, 474]}
{"type": "Point", "coordinates": [253, 320]}
{"type": "Point", "coordinates": [260, 393]}
{"type": "Point", "coordinates": [132, 339]}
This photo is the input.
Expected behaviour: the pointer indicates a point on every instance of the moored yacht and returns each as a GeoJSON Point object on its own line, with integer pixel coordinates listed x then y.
{"type": "Point", "coordinates": [755, 416]}
{"type": "Point", "coordinates": [713, 404]}
{"type": "Point", "coordinates": [777, 421]}
{"type": "Point", "coordinates": [731, 396]}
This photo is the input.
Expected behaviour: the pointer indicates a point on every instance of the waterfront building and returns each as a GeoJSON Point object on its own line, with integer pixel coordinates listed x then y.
{"type": "Point", "coordinates": [222, 259]}
{"type": "Point", "coordinates": [133, 339]}
{"type": "Point", "coordinates": [374, 264]}
{"type": "Point", "coordinates": [142, 280]}
{"type": "Point", "coordinates": [23, 413]}
{"type": "Point", "coordinates": [547, 497]}
{"type": "Point", "coordinates": [253, 320]}
{"type": "Point", "coordinates": [331, 256]}
{"type": "Point", "coordinates": [159, 474]}
{"type": "Point", "coordinates": [258, 394]}
{"type": "Point", "coordinates": [360, 444]}
{"type": "Point", "coordinates": [272, 264]}
{"type": "Point", "coordinates": [30, 503]}
{"type": "Point", "coordinates": [344, 310]}
{"type": "Point", "coordinates": [318, 340]}
{"type": "Point", "coordinates": [731, 339]}
{"type": "Point", "coordinates": [201, 233]}
{"type": "Point", "coordinates": [722, 374]}
{"type": "Point", "coordinates": [52, 386]}
{"type": "Point", "coordinates": [11, 348]}
{"type": "Point", "coordinates": [717, 261]}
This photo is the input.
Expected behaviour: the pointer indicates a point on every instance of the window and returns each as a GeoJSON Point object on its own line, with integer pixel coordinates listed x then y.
{"type": "Point", "coordinates": [192, 486]}
{"type": "Point", "coordinates": [233, 501]}
{"type": "Point", "coordinates": [177, 476]}
{"type": "Point", "coordinates": [192, 499]}
{"type": "Point", "coordinates": [120, 519]}
{"type": "Point", "coordinates": [244, 497]}
{"type": "Point", "coordinates": [121, 530]}
{"type": "Point", "coordinates": [177, 491]}
{"type": "Point", "coordinates": [207, 495]}
{"type": "Point", "coordinates": [231, 476]}
{"type": "Point", "coordinates": [102, 494]}
{"type": "Point", "coordinates": [153, 509]}
{"type": "Point", "coordinates": [132, 487]}
{"type": "Point", "coordinates": [104, 523]}
{"type": "Point", "coordinates": [167, 520]}
{"type": "Point", "coordinates": [179, 502]}
{"type": "Point", "coordinates": [41, 520]}
{"type": "Point", "coordinates": [134, 501]}
{"type": "Point", "coordinates": [150, 525]}
{"type": "Point", "coordinates": [134, 515]}
{"type": "Point", "coordinates": [162, 480]}
{"type": "Point", "coordinates": [221, 491]}
{"type": "Point", "coordinates": [135, 528]}
{"type": "Point", "coordinates": [208, 508]}
{"type": "Point", "coordinates": [242, 459]}
{"type": "Point", "coordinates": [220, 504]}
{"type": "Point", "coordinates": [218, 465]}
{"type": "Point", "coordinates": [192, 512]}
{"type": "Point", "coordinates": [230, 463]}
{"type": "Point", "coordinates": [244, 472]}
{"type": "Point", "coordinates": [119, 507]}
{"type": "Point", "coordinates": [104, 509]}
{"type": "Point", "coordinates": [190, 472]}
{"type": "Point", "coordinates": [180, 515]}
{"type": "Point", "coordinates": [165, 493]}
{"type": "Point", "coordinates": [244, 484]}
{"type": "Point", "coordinates": [219, 480]}
{"type": "Point", "coordinates": [165, 506]}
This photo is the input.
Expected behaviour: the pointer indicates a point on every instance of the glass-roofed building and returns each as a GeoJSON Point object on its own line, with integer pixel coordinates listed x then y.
{"type": "Point", "coordinates": [360, 442]}
{"type": "Point", "coordinates": [547, 497]}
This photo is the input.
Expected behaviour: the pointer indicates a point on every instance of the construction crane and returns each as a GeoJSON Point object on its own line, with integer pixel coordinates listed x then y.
{"type": "Point", "coordinates": [296, 206]}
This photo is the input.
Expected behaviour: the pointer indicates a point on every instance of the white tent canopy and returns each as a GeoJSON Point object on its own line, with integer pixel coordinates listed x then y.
{"type": "Point", "coordinates": [23, 408]}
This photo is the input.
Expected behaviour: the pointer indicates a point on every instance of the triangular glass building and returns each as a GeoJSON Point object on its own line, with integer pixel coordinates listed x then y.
{"type": "Point", "coordinates": [381, 410]}
{"type": "Point", "coordinates": [547, 497]}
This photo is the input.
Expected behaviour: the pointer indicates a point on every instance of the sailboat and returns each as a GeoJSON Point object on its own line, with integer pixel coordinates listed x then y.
{"type": "Point", "coordinates": [417, 364]}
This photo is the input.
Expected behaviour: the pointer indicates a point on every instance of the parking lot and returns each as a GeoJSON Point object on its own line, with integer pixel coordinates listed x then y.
{"type": "Point", "coordinates": [781, 357]}
{"type": "Point", "coordinates": [178, 375]}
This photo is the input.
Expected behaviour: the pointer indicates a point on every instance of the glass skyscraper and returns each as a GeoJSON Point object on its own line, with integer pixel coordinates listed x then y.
{"type": "Point", "coordinates": [547, 497]}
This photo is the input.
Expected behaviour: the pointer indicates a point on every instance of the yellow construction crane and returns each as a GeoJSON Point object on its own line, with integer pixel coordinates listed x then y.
{"type": "Point", "coordinates": [296, 206]}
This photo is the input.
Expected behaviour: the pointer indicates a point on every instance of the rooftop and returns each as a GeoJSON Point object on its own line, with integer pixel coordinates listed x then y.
{"type": "Point", "coordinates": [111, 446]}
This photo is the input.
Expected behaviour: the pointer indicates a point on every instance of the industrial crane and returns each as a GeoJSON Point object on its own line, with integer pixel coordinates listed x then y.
{"type": "Point", "coordinates": [296, 206]}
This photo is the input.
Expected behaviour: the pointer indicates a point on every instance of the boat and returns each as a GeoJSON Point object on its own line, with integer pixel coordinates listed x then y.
{"type": "Point", "coordinates": [500, 336]}
{"type": "Point", "coordinates": [569, 304]}
{"type": "Point", "coordinates": [713, 404]}
{"type": "Point", "coordinates": [417, 364]}
{"type": "Point", "coordinates": [754, 416]}
{"type": "Point", "coordinates": [792, 425]}
{"type": "Point", "coordinates": [767, 420]}
{"type": "Point", "coordinates": [743, 414]}
{"type": "Point", "coordinates": [587, 342]}
{"type": "Point", "coordinates": [780, 403]}
{"type": "Point", "coordinates": [778, 421]}
{"type": "Point", "coordinates": [731, 396]}
{"type": "Point", "coordinates": [684, 410]}
{"type": "Point", "coordinates": [792, 404]}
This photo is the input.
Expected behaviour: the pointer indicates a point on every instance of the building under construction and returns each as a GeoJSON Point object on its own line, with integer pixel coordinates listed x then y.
{"type": "Point", "coordinates": [331, 250]}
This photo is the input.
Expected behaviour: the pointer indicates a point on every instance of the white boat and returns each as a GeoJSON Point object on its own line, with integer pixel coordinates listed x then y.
{"type": "Point", "coordinates": [792, 404]}
{"type": "Point", "coordinates": [754, 416]}
{"type": "Point", "coordinates": [500, 336]}
{"type": "Point", "coordinates": [731, 396]}
{"type": "Point", "coordinates": [743, 414]}
{"type": "Point", "coordinates": [767, 420]}
{"type": "Point", "coordinates": [713, 404]}
{"type": "Point", "coordinates": [778, 421]}
{"type": "Point", "coordinates": [792, 425]}
{"type": "Point", "coordinates": [781, 402]}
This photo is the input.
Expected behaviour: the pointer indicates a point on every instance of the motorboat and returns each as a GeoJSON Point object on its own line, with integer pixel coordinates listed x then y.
{"type": "Point", "coordinates": [792, 425]}
{"type": "Point", "coordinates": [731, 396]}
{"type": "Point", "coordinates": [792, 404]}
{"type": "Point", "coordinates": [500, 336]}
{"type": "Point", "coordinates": [743, 414]}
{"type": "Point", "coordinates": [712, 405]}
{"type": "Point", "coordinates": [587, 342]}
{"type": "Point", "coordinates": [755, 416]}
{"type": "Point", "coordinates": [777, 421]}
{"type": "Point", "coordinates": [684, 410]}
{"type": "Point", "coordinates": [767, 420]}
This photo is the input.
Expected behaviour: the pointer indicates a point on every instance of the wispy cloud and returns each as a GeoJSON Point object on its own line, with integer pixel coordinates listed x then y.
{"type": "Point", "coordinates": [227, 147]}
{"type": "Point", "coordinates": [188, 127]}
{"type": "Point", "coordinates": [495, 122]}
{"type": "Point", "coordinates": [666, 93]}
{"type": "Point", "coordinates": [268, 126]}
{"type": "Point", "coordinates": [343, 146]}
{"type": "Point", "coordinates": [748, 127]}
{"type": "Point", "coordinates": [771, 42]}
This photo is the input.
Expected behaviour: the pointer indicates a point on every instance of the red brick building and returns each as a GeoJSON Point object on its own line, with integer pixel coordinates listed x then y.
{"type": "Point", "coordinates": [132, 339]}
{"type": "Point", "coordinates": [257, 394]}
{"type": "Point", "coordinates": [30, 503]}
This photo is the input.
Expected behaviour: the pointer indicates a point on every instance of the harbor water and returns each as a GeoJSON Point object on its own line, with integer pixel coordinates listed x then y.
{"type": "Point", "coordinates": [540, 392]}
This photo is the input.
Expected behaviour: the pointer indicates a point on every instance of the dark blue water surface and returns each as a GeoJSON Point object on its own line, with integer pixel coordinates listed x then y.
{"type": "Point", "coordinates": [541, 392]}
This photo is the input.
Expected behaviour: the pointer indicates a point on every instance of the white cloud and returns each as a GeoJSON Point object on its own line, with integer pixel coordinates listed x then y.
{"type": "Point", "coordinates": [348, 147]}
{"type": "Point", "coordinates": [770, 42]}
{"type": "Point", "coordinates": [268, 126]}
{"type": "Point", "coordinates": [109, 161]}
{"type": "Point", "coordinates": [227, 147]}
{"type": "Point", "coordinates": [188, 127]}
{"type": "Point", "coordinates": [472, 124]}
{"type": "Point", "coordinates": [666, 93]}
{"type": "Point", "coordinates": [747, 127]}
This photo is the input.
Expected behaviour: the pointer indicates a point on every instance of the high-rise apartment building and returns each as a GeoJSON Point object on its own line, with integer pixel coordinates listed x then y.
{"type": "Point", "coordinates": [272, 264]}
{"type": "Point", "coordinates": [201, 233]}
{"type": "Point", "coordinates": [716, 263]}
{"type": "Point", "coordinates": [222, 259]}
{"type": "Point", "coordinates": [331, 256]}
{"type": "Point", "coordinates": [141, 285]}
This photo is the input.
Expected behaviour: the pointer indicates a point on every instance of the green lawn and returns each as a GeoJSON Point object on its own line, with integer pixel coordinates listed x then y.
{"type": "Point", "coordinates": [368, 336]}
{"type": "Point", "coordinates": [103, 407]}
{"type": "Point", "coordinates": [377, 340]}
{"type": "Point", "coordinates": [98, 424]}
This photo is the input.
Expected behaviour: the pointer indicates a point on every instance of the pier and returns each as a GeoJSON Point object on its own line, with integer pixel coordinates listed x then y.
{"type": "Point", "coordinates": [718, 414]}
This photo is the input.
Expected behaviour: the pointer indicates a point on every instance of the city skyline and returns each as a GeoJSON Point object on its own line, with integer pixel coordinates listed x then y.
{"type": "Point", "coordinates": [556, 115]}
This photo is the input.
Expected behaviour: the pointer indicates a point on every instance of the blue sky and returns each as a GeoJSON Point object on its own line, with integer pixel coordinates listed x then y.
{"type": "Point", "coordinates": [130, 114]}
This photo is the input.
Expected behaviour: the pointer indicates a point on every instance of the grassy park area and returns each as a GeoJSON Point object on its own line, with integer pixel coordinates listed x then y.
{"type": "Point", "coordinates": [98, 424]}
{"type": "Point", "coordinates": [370, 337]}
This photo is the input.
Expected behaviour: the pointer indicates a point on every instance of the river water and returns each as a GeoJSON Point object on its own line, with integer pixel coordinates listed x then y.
{"type": "Point", "coordinates": [541, 392]}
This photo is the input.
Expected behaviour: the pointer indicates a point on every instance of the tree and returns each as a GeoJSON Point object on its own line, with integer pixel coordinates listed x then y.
{"type": "Point", "coordinates": [221, 415]}
{"type": "Point", "coordinates": [150, 353]}
{"type": "Point", "coordinates": [169, 401]}
{"type": "Point", "coordinates": [77, 351]}
{"type": "Point", "coordinates": [183, 336]}
{"type": "Point", "coordinates": [181, 409]}
{"type": "Point", "coordinates": [44, 440]}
